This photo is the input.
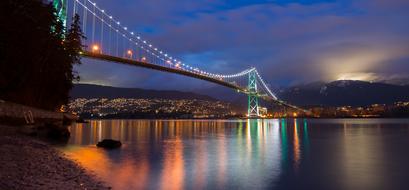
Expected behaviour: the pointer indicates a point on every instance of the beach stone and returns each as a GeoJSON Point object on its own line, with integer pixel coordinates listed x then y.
{"type": "Point", "coordinates": [109, 144]}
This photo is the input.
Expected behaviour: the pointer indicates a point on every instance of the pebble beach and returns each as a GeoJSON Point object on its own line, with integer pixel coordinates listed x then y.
{"type": "Point", "coordinates": [29, 163]}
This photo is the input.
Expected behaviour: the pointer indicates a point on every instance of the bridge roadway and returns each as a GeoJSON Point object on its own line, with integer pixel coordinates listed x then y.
{"type": "Point", "coordinates": [132, 62]}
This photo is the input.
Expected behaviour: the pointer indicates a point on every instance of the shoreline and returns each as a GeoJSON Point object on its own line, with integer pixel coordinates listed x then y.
{"type": "Point", "coordinates": [199, 119]}
{"type": "Point", "coordinates": [30, 163]}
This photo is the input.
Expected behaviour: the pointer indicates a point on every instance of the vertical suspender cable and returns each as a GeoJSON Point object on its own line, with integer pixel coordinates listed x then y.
{"type": "Point", "coordinates": [67, 15]}
{"type": "Point", "coordinates": [136, 50]}
{"type": "Point", "coordinates": [74, 11]}
{"type": "Point", "coordinates": [93, 25]}
{"type": "Point", "coordinates": [109, 41]}
{"type": "Point", "coordinates": [102, 30]}
{"type": "Point", "coordinates": [117, 44]}
{"type": "Point", "coordinates": [128, 48]}
{"type": "Point", "coordinates": [139, 52]}
{"type": "Point", "coordinates": [84, 18]}
{"type": "Point", "coordinates": [123, 45]}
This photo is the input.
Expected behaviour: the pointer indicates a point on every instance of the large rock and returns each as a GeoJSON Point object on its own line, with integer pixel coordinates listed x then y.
{"type": "Point", "coordinates": [109, 144]}
{"type": "Point", "coordinates": [58, 132]}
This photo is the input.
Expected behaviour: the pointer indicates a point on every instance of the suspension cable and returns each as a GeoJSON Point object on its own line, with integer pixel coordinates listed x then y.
{"type": "Point", "coordinates": [151, 50]}
{"type": "Point", "coordinates": [266, 87]}
{"type": "Point", "coordinates": [84, 19]}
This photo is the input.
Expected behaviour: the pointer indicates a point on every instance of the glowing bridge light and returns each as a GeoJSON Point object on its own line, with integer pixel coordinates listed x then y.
{"type": "Point", "coordinates": [95, 48]}
{"type": "Point", "coordinates": [143, 59]}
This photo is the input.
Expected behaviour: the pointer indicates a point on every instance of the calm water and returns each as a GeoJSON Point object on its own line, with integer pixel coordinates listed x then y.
{"type": "Point", "coordinates": [246, 154]}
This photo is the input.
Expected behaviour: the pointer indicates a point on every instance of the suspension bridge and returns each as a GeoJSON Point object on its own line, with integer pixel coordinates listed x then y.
{"type": "Point", "coordinates": [107, 39]}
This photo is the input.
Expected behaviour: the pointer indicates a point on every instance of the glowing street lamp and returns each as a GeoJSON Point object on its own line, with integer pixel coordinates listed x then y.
{"type": "Point", "coordinates": [96, 49]}
{"type": "Point", "coordinates": [129, 53]}
{"type": "Point", "coordinates": [143, 59]}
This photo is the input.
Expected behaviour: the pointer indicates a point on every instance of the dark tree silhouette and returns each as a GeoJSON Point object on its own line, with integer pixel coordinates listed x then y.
{"type": "Point", "coordinates": [36, 54]}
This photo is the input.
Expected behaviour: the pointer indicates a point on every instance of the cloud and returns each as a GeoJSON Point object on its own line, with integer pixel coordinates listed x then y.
{"type": "Point", "coordinates": [358, 76]}
{"type": "Point", "coordinates": [287, 41]}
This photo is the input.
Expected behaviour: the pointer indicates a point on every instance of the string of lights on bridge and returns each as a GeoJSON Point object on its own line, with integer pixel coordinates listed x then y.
{"type": "Point", "coordinates": [138, 41]}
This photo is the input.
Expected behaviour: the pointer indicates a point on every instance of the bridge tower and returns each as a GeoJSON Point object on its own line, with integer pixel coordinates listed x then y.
{"type": "Point", "coordinates": [61, 8]}
{"type": "Point", "coordinates": [252, 110]}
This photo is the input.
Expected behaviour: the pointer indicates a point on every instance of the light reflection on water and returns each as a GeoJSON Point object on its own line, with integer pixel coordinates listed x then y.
{"type": "Point", "coordinates": [244, 154]}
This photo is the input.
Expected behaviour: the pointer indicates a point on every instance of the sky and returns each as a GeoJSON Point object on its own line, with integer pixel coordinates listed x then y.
{"type": "Point", "coordinates": [289, 42]}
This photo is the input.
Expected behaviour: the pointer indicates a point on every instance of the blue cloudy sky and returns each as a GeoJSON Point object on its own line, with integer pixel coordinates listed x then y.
{"type": "Point", "coordinates": [289, 42]}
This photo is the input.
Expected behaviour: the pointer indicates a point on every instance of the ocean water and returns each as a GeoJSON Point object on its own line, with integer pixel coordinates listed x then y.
{"type": "Point", "coordinates": [246, 154]}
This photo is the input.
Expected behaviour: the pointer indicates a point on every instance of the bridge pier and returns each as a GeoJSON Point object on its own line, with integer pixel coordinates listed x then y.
{"type": "Point", "coordinates": [61, 8]}
{"type": "Point", "coordinates": [253, 108]}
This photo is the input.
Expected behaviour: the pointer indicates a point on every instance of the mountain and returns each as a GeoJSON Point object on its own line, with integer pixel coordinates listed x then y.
{"type": "Point", "coordinates": [396, 81]}
{"type": "Point", "coordinates": [345, 92]}
{"type": "Point", "coordinates": [337, 93]}
{"type": "Point", "coordinates": [95, 91]}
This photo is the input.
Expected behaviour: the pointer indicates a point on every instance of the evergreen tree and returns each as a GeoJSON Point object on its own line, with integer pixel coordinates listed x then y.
{"type": "Point", "coordinates": [36, 54]}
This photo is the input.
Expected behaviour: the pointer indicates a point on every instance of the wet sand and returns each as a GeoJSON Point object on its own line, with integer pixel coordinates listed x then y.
{"type": "Point", "coordinates": [28, 163]}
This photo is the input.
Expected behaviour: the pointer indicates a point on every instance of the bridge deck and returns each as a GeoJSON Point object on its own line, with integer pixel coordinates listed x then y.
{"type": "Point", "coordinates": [160, 68]}
{"type": "Point", "coordinates": [110, 58]}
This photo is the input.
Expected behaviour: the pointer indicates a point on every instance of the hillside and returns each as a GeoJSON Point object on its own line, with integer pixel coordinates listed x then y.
{"type": "Point", "coordinates": [340, 93]}
{"type": "Point", "coordinates": [337, 93]}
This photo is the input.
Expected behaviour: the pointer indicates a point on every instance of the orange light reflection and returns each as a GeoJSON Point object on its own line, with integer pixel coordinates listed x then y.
{"type": "Point", "coordinates": [296, 145]}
